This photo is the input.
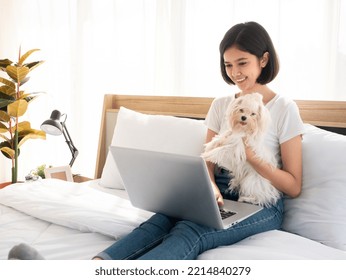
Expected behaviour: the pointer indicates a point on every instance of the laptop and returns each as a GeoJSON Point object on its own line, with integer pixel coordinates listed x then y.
{"type": "Point", "coordinates": [176, 185]}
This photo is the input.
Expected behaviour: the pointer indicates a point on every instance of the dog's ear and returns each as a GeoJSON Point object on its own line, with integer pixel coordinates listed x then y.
{"type": "Point", "coordinates": [232, 107]}
{"type": "Point", "coordinates": [257, 97]}
{"type": "Point", "coordinates": [263, 115]}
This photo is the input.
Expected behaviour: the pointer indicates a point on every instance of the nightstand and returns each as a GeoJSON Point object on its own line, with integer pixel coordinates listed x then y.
{"type": "Point", "coordinates": [80, 179]}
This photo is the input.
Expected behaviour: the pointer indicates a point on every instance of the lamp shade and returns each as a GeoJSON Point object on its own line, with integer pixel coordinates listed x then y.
{"type": "Point", "coordinates": [53, 125]}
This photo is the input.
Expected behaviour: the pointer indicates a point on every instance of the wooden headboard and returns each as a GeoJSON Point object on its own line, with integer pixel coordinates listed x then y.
{"type": "Point", "coordinates": [326, 114]}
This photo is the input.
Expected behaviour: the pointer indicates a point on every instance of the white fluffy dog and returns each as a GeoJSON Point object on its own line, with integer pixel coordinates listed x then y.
{"type": "Point", "coordinates": [248, 120]}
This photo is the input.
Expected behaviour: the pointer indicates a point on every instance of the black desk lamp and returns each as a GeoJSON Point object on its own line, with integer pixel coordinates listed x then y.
{"type": "Point", "coordinates": [53, 126]}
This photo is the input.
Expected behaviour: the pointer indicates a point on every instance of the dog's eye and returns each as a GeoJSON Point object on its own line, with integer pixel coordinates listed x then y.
{"type": "Point", "coordinates": [241, 110]}
{"type": "Point", "coordinates": [253, 114]}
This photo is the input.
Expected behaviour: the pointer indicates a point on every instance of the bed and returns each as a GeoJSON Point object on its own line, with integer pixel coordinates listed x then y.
{"type": "Point", "coordinates": [74, 221]}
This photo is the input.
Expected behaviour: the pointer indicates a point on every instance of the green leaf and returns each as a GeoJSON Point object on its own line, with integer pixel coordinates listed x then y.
{"type": "Point", "coordinates": [6, 100]}
{"type": "Point", "coordinates": [4, 117]}
{"type": "Point", "coordinates": [30, 134]}
{"type": "Point", "coordinates": [33, 65]}
{"type": "Point", "coordinates": [17, 73]}
{"type": "Point", "coordinates": [31, 96]}
{"type": "Point", "coordinates": [7, 90]}
{"type": "Point", "coordinates": [8, 83]}
{"type": "Point", "coordinates": [3, 129]}
{"type": "Point", "coordinates": [25, 56]}
{"type": "Point", "coordinates": [17, 108]}
{"type": "Point", "coordinates": [27, 78]}
{"type": "Point", "coordinates": [5, 62]}
{"type": "Point", "coordinates": [6, 150]}
{"type": "Point", "coordinates": [25, 125]}
{"type": "Point", "coordinates": [3, 136]}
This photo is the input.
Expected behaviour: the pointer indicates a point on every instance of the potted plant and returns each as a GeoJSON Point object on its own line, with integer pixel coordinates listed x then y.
{"type": "Point", "coordinates": [14, 102]}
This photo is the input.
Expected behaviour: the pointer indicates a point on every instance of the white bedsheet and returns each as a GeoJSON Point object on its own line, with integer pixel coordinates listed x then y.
{"type": "Point", "coordinates": [69, 221]}
{"type": "Point", "coordinates": [64, 220]}
{"type": "Point", "coordinates": [54, 242]}
{"type": "Point", "coordinates": [275, 245]}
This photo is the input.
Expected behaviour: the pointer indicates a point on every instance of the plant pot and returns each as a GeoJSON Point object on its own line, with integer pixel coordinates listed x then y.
{"type": "Point", "coordinates": [2, 185]}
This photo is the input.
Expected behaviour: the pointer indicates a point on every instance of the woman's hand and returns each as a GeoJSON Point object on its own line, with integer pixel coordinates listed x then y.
{"type": "Point", "coordinates": [250, 154]}
{"type": "Point", "coordinates": [218, 196]}
{"type": "Point", "coordinates": [211, 166]}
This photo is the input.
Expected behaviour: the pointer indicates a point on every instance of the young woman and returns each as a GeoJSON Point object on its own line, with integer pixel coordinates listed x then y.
{"type": "Point", "coordinates": [249, 61]}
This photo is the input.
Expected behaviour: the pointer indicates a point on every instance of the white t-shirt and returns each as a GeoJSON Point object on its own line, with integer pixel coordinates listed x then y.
{"type": "Point", "coordinates": [286, 122]}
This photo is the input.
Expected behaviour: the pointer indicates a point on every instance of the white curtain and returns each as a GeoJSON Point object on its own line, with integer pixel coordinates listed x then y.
{"type": "Point", "coordinates": [156, 47]}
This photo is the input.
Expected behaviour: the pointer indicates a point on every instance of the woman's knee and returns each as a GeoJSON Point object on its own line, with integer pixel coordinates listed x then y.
{"type": "Point", "coordinates": [158, 223]}
{"type": "Point", "coordinates": [191, 233]}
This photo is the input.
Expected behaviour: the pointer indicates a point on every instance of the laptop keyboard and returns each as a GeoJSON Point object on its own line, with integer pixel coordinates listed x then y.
{"type": "Point", "coordinates": [225, 214]}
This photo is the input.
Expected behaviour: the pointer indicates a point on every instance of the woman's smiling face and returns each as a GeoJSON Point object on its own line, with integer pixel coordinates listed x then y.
{"type": "Point", "coordinates": [243, 68]}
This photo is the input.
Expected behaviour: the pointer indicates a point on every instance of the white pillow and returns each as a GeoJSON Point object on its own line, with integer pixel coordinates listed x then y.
{"type": "Point", "coordinates": [152, 132]}
{"type": "Point", "coordinates": [319, 213]}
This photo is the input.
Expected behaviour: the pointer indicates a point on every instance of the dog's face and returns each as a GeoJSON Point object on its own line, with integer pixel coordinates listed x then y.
{"type": "Point", "coordinates": [247, 114]}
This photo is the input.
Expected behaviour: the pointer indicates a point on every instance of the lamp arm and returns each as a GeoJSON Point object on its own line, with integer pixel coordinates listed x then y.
{"type": "Point", "coordinates": [70, 144]}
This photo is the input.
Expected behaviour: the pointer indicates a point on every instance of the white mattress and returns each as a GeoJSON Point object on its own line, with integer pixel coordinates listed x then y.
{"type": "Point", "coordinates": [62, 226]}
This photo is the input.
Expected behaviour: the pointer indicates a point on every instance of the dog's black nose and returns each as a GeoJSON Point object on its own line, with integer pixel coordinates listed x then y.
{"type": "Point", "coordinates": [243, 118]}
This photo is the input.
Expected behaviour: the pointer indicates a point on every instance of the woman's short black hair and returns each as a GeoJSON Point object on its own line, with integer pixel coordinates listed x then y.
{"type": "Point", "coordinates": [250, 37]}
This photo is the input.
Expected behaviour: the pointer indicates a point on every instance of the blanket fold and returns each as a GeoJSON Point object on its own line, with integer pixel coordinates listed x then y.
{"type": "Point", "coordinates": [74, 205]}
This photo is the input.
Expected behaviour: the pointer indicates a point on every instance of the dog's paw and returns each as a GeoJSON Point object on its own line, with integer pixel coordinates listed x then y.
{"type": "Point", "coordinates": [218, 141]}
{"type": "Point", "coordinates": [210, 155]}
{"type": "Point", "coordinates": [234, 182]}
{"type": "Point", "coordinates": [248, 199]}
{"type": "Point", "coordinates": [215, 143]}
{"type": "Point", "coordinates": [257, 201]}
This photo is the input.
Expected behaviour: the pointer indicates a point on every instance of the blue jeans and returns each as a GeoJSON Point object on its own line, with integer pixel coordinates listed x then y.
{"type": "Point", "coordinates": [166, 238]}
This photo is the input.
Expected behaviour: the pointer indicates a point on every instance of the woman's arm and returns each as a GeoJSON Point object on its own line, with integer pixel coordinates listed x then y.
{"type": "Point", "coordinates": [211, 167]}
{"type": "Point", "coordinates": [289, 178]}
